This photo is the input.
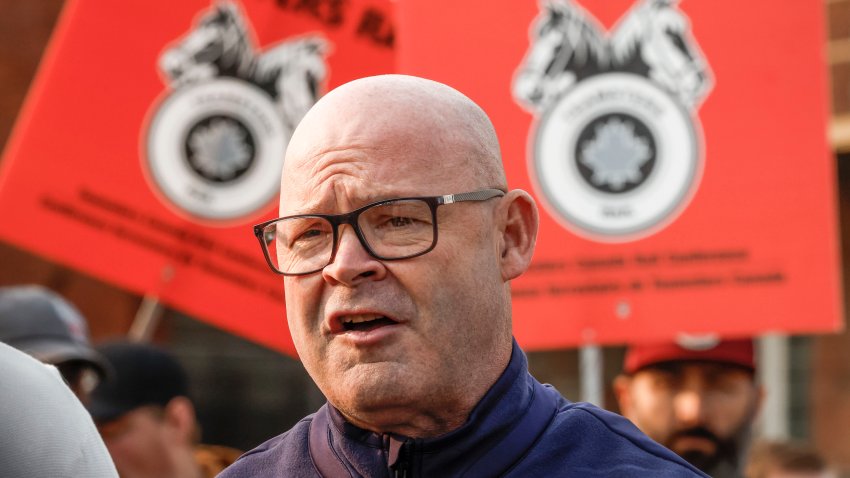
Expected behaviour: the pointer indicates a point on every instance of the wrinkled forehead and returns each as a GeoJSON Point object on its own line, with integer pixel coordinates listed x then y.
{"type": "Point", "coordinates": [373, 142]}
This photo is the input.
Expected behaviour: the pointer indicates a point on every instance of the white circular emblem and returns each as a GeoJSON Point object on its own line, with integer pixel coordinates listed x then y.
{"type": "Point", "coordinates": [215, 149]}
{"type": "Point", "coordinates": [616, 158]}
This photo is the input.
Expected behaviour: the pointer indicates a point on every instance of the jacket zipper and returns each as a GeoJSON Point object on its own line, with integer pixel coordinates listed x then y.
{"type": "Point", "coordinates": [400, 457]}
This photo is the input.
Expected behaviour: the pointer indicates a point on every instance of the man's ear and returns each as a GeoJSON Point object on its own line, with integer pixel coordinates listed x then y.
{"type": "Point", "coordinates": [519, 222]}
{"type": "Point", "coordinates": [622, 391]}
{"type": "Point", "coordinates": [180, 416]}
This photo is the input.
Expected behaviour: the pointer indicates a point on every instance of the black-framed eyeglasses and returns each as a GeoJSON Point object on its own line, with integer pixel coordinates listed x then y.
{"type": "Point", "coordinates": [389, 230]}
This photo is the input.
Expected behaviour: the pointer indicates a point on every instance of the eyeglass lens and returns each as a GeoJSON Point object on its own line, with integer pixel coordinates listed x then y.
{"type": "Point", "coordinates": [392, 230]}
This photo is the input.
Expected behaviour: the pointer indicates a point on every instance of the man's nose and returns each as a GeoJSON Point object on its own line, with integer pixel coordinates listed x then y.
{"type": "Point", "coordinates": [690, 407]}
{"type": "Point", "coordinates": [352, 263]}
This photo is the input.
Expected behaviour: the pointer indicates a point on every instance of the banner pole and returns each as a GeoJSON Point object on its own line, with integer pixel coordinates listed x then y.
{"type": "Point", "coordinates": [146, 320]}
{"type": "Point", "coordinates": [773, 370]}
{"type": "Point", "coordinates": [150, 312]}
{"type": "Point", "coordinates": [591, 374]}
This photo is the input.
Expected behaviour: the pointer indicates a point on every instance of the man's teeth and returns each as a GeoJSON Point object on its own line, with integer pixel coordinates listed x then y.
{"type": "Point", "coordinates": [357, 319]}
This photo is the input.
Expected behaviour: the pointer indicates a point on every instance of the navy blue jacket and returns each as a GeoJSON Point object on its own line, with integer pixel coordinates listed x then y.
{"type": "Point", "coordinates": [519, 429]}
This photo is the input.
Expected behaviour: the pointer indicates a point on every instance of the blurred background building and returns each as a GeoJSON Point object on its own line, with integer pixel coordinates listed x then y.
{"type": "Point", "coordinates": [246, 393]}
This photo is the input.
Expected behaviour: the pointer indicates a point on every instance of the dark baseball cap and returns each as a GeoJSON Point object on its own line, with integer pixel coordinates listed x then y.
{"type": "Point", "coordinates": [39, 322]}
{"type": "Point", "coordinates": [143, 374]}
{"type": "Point", "coordinates": [736, 352]}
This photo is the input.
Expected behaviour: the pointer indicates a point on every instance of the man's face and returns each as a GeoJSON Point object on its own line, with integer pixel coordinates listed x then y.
{"type": "Point", "coordinates": [700, 410]}
{"type": "Point", "coordinates": [139, 442]}
{"type": "Point", "coordinates": [426, 327]}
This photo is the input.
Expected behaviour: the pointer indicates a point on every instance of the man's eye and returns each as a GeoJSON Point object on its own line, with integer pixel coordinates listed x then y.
{"type": "Point", "coordinates": [401, 221]}
{"type": "Point", "coordinates": [308, 235]}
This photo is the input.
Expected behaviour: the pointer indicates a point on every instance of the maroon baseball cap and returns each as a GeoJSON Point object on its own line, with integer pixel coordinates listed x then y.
{"type": "Point", "coordinates": [738, 352]}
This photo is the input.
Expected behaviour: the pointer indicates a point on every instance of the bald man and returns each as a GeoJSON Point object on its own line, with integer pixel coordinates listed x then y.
{"type": "Point", "coordinates": [398, 239]}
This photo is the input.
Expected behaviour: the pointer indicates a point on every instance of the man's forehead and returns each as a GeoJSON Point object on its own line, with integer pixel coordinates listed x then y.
{"type": "Point", "coordinates": [372, 170]}
{"type": "Point", "coordinates": [384, 137]}
{"type": "Point", "coordinates": [333, 201]}
{"type": "Point", "coordinates": [336, 186]}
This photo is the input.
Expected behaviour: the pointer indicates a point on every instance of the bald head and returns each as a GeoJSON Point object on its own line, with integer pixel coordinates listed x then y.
{"type": "Point", "coordinates": [404, 113]}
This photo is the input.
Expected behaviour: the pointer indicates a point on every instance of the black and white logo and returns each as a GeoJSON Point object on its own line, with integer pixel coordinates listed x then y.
{"type": "Point", "coordinates": [215, 144]}
{"type": "Point", "coordinates": [616, 149]}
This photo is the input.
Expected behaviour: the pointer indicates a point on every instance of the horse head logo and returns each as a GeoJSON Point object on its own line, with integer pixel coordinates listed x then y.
{"type": "Point", "coordinates": [216, 142]}
{"type": "Point", "coordinates": [616, 147]}
{"type": "Point", "coordinates": [569, 45]}
{"type": "Point", "coordinates": [295, 71]}
{"type": "Point", "coordinates": [218, 46]}
{"type": "Point", "coordinates": [292, 72]}
{"type": "Point", "coordinates": [566, 47]}
{"type": "Point", "coordinates": [655, 40]}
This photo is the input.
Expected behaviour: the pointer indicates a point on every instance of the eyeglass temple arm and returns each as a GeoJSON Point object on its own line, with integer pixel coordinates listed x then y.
{"type": "Point", "coordinates": [481, 195]}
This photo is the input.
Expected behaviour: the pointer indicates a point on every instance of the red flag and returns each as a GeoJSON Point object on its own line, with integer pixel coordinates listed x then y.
{"type": "Point", "coordinates": [677, 150]}
{"type": "Point", "coordinates": [154, 135]}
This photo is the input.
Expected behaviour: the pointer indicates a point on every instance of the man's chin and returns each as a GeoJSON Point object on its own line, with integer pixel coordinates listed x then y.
{"type": "Point", "coordinates": [717, 460]}
{"type": "Point", "coordinates": [701, 460]}
{"type": "Point", "coordinates": [372, 386]}
{"type": "Point", "coordinates": [701, 451]}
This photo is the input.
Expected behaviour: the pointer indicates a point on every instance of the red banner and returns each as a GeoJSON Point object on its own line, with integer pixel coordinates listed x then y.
{"type": "Point", "coordinates": [154, 135]}
{"type": "Point", "coordinates": [677, 151]}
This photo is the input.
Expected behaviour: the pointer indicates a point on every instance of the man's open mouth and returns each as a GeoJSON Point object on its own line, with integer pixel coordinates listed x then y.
{"type": "Point", "coordinates": [364, 322]}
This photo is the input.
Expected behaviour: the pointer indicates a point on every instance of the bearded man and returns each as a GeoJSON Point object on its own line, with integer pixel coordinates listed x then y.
{"type": "Point", "coordinates": [699, 402]}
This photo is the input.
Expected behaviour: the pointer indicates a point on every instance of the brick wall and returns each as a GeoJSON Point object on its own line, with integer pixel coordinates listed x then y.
{"type": "Point", "coordinates": [838, 54]}
{"type": "Point", "coordinates": [830, 361]}
{"type": "Point", "coordinates": [829, 390]}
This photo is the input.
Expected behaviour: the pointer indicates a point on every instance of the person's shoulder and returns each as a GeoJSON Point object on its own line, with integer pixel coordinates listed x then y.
{"type": "Point", "coordinates": [17, 366]}
{"type": "Point", "coordinates": [607, 443]}
{"type": "Point", "coordinates": [284, 455]}
{"type": "Point", "coordinates": [38, 407]}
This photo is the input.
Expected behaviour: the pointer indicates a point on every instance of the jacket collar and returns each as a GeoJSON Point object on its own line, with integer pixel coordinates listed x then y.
{"type": "Point", "coordinates": [505, 423]}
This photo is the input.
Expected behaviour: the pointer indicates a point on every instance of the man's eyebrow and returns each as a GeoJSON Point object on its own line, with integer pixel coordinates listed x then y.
{"type": "Point", "coordinates": [669, 367]}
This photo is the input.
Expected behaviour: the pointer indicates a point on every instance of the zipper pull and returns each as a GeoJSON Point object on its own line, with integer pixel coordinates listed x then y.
{"type": "Point", "coordinates": [399, 457]}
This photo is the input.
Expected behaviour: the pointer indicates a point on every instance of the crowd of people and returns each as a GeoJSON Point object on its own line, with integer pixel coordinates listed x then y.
{"type": "Point", "coordinates": [124, 408]}
{"type": "Point", "coordinates": [397, 240]}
